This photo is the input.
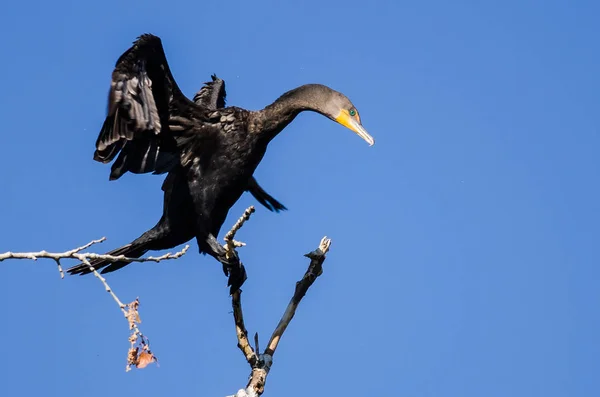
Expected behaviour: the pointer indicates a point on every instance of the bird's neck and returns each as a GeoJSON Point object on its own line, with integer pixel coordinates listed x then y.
{"type": "Point", "coordinates": [276, 116]}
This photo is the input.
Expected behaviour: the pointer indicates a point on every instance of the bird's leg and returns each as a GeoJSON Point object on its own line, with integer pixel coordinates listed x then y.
{"type": "Point", "coordinates": [220, 253]}
{"type": "Point", "coordinates": [232, 266]}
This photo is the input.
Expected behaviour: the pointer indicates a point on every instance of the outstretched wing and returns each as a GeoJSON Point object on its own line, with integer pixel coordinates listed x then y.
{"type": "Point", "coordinates": [143, 95]}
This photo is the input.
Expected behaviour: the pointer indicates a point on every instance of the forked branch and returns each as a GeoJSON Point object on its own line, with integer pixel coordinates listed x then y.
{"type": "Point", "coordinates": [139, 354]}
{"type": "Point", "coordinates": [260, 363]}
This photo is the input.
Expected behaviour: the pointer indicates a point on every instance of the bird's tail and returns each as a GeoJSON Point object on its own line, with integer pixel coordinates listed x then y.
{"type": "Point", "coordinates": [263, 197]}
{"type": "Point", "coordinates": [133, 250]}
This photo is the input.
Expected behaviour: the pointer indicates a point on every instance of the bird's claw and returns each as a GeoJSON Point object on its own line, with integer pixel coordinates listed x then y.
{"type": "Point", "coordinates": [235, 270]}
{"type": "Point", "coordinates": [237, 277]}
{"type": "Point", "coordinates": [230, 246]}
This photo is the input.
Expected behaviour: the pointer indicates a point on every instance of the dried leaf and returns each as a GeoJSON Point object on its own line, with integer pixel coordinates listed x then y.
{"type": "Point", "coordinates": [132, 315]}
{"type": "Point", "coordinates": [145, 358]}
{"type": "Point", "coordinates": [132, 356]}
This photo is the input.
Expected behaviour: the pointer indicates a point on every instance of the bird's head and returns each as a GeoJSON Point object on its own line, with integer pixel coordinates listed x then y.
{"type": "Point", "coordinates": [321, 99]}
{"type": "Point", "coordinates": [338, 108]}
{"type": "Point", "coordinates": [347, 115]}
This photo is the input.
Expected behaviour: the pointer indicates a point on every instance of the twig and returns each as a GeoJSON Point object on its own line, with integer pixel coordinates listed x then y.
{"type": "Point", "coordinates": [135, 357]}
{"type": "Point", "coordinates": [230, 243]}
{"type": "Point", "coordinates": [240, 329]}
{"type": "Point", "coordinates": [240, 222]}
{"type": "Point", "coordinates": [315, 269]}
{"type": "Point", "coordinates": [261, 363]}
{"type": "Point", "coordinates": [130, 311]}
{"type": "Point", "coordinates": [43, 254]}
{"type": "Point", "coordinates": [123, 258]}
{"type": "Point", "coordinates": [256, 346]}
{"type": "Point", "coordinates": [75, 254]}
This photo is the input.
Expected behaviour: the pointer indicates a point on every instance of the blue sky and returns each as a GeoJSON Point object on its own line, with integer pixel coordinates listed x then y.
{"type": "Point", "coordinates": [465, 242]}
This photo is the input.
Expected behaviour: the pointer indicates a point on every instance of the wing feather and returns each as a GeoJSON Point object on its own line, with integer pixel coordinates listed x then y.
{"type": "Point", "coordinates": [142, 97]}
{"type": "Point", "coordinates": [212, 95]}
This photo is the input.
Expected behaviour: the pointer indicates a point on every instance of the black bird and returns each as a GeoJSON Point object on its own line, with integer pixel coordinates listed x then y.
{"type": "Point", "coordinates": [210, 152]}
{"type": "Point", "coordinates": [131, 158]}
{"type": "Point", "coordinates": [212, 96]}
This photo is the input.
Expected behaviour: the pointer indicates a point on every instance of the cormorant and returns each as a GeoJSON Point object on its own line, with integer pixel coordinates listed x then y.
{"type": "Point", "coordinates": [212, 96]}
{"type": "Point", "coordinates": [209, 151]}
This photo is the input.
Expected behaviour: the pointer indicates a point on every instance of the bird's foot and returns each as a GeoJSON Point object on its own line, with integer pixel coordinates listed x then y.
{"type": "Point", "coordinates": [230, 246]}
{"type": "Point", "coordinates": [237, 274]}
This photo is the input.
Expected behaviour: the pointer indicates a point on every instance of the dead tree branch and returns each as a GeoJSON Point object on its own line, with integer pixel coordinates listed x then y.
{"type": "Point", "coordinates": [75, 254]}
{"type": "Point", "coordinates": [139, 353]}
{"type": "Point", "coordinates": [230, 243]}
{"type": "Point", "coordinates": [260, 363]}
{"type": "Point", "coordinates": [315, 269]}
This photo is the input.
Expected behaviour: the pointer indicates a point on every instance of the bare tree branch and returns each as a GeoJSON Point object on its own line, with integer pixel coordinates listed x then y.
{"type": "Point", "coordinates": [230, 243]}
{"type": "Point", "coordinates": [139, 353]}
{"type": "Point", "coordinates": [315, 269]}
{"type": "Point", "coordinates": [75, 254]}
{"type": "Point", "coordinates": [261, 363]}
{"type": "Point", "coordinates": [43, 254]}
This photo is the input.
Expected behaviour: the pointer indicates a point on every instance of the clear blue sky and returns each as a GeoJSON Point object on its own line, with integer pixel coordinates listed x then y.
{"type": "Point", "coordinates": [465, 242]}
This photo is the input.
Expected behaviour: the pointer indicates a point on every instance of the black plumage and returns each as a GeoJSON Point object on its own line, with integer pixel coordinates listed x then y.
{"type": "Point", "coordinates": [209, 151]}
{"type": "Point", "coordinates": [212, 96]}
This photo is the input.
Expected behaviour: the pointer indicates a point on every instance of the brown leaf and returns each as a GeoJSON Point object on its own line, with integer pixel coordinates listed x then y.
{"type": "Point", "coordinates": [145, 358]}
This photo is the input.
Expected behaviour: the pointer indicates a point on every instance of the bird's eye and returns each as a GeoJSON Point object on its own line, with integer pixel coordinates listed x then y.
{"type": "Point", "coordinates": [352, 112]}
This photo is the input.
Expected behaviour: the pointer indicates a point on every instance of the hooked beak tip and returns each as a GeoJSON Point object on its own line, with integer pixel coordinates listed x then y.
{"type": "Point", "coordinates": [361, 132]}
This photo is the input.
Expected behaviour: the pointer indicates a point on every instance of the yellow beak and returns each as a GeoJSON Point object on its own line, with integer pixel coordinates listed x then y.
{"type": "Point", "coordinates": [353, 123]}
